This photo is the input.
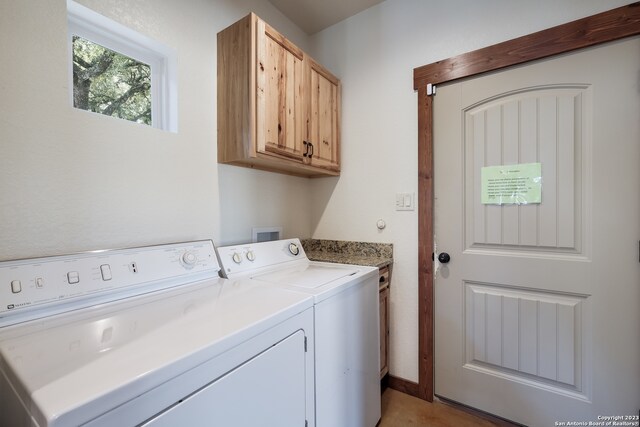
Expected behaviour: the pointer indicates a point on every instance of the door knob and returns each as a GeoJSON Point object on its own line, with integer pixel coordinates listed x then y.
{"type": "Point", "coordinates": [444, 257]}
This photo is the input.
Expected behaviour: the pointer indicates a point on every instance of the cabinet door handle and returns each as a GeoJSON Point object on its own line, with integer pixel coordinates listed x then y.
{"type": "Point", "coordinates": [306, 148]}
{"type": "Point", "coordinates": [311, 154]}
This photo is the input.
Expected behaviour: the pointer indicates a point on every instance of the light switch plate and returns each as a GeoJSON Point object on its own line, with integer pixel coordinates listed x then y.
{"type": "Point", "coordinates": [405, 201]}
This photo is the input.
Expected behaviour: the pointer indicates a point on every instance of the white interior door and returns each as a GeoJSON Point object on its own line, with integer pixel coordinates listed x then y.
{"type": "Point", "coordinates": [537, 313]}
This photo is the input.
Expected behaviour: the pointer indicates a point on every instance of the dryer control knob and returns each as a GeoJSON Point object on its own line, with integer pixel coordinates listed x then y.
{"type": "Point", "coordinates": [251, 256]}
{"type": "Point", "coordinates": [189, 259]}
{"type": "Point", "coordinates": [237, 258]}
{"type": "Point", "coordinates": [294, 249]}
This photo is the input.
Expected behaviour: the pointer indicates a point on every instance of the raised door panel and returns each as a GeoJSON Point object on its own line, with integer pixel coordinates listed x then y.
{"type": "Point", "coordinates": [545, 124]}
{"type": "Point", "coordinates": [324, 118]}
{"type": "Point", "coordinates": [280, 110]}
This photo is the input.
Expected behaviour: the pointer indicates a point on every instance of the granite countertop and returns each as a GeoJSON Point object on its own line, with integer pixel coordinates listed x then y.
{"type": "Point", "coordinates": [345, 252]}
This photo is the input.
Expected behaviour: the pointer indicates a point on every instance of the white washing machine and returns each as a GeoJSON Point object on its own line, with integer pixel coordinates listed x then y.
{"type": "Point", "coordinates": [346, 316]}
{"type": "Point", "coordinates": [150, 336]}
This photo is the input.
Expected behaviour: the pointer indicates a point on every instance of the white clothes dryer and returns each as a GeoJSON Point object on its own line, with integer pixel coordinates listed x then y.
{"type": "Point", "coordinates": [346, 319]}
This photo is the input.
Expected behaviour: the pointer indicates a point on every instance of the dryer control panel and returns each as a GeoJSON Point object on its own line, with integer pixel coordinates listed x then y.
{"type": "Point", "coordinates": [100, 276]}
{"type": "Point", "coordinates": [253, 257]}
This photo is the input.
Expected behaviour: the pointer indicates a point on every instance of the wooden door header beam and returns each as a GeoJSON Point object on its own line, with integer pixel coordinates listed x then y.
{"type": "Point", "coordinates": [604, 27]}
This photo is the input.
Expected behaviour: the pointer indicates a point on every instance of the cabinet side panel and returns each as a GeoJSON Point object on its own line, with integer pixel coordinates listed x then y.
{"type": "Point", "coordinates": [235, 102]}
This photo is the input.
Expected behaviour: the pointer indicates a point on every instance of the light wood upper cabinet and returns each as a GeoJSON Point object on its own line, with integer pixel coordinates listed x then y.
{"type": "Point", "coordinates": [324, 117]}
{"type": "Point", "coordinates": [280, 87]}
{"type": "Point", "coordinates": [278, 109]}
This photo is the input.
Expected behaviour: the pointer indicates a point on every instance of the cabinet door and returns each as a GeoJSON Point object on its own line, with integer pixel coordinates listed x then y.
{"type": "Point", "coordinates": [280, 111]}
{"type": "Point", "coordinates": [384, 330]}
{"type": "Point", "coordinates": [323, 125]}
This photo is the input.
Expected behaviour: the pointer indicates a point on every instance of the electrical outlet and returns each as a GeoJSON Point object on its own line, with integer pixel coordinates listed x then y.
{"type": "Point", "coordinates": [133, 267]}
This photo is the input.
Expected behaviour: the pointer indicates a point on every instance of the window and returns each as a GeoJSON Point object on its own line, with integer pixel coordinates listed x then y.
{"type": "Point", "coordinates": [110, 83]}
{"type": "Point", "coordinates": [118, 72]}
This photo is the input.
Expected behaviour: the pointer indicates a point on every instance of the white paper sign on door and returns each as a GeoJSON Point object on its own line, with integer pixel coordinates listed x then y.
{"type": "Point", "coordinates": [512, 184]}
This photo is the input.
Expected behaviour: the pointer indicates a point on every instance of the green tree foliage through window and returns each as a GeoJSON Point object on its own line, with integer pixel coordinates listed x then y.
{"type": "Point", "coordinates": [110, 83]}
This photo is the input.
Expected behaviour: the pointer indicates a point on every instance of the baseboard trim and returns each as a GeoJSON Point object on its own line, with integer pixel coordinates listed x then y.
{"type": "Point", "coordinates": [412, 389]}
{"type": "Point", "coordinates": [500, 422]}
{"type": "Point", "coordinates": [405, 386]}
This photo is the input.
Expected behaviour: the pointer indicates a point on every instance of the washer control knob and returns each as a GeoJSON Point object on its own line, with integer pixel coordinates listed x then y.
{"type": "Point", "coordinates": [189, 259]}
{"type": "Point", "coordinates": [294, 249]}
{"type": "Point", "coordinates": [237, 258]}
{"type": "Point", "coordinates": [251, 256]}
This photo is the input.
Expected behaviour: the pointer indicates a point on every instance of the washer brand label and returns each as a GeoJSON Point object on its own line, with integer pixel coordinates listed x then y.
{"type": "Point", "coordinates": [11, 306]}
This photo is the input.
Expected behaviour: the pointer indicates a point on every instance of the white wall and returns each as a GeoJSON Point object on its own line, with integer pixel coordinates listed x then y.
{"type": "Point", "coordinates": [374, 53]}
{"type": "Point", "coordinates": [72, 180]}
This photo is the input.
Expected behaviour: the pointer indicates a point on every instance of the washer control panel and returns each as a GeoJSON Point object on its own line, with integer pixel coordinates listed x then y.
{"type": "Point", "coordinates": [254, 256]}
{"type": "Point", "coordinates": [37, 282]}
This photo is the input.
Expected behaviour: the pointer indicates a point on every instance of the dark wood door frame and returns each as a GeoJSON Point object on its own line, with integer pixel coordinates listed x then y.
{"type": "Point", "coordinates": [593, 30]}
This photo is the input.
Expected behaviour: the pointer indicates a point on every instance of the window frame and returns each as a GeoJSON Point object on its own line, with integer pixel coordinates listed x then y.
{"type": "Point", "coordinates": [90, 25]}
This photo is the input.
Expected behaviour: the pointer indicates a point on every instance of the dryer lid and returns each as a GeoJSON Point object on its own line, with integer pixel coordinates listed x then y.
{"type": "Point", "coordinates": [308, 276]}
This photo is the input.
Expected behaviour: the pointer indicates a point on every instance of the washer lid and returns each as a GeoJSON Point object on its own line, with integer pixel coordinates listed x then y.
{"type": "Point", "coordinates": [70, 368]}
{"type": "Point", "coordinates": [308, 276]}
